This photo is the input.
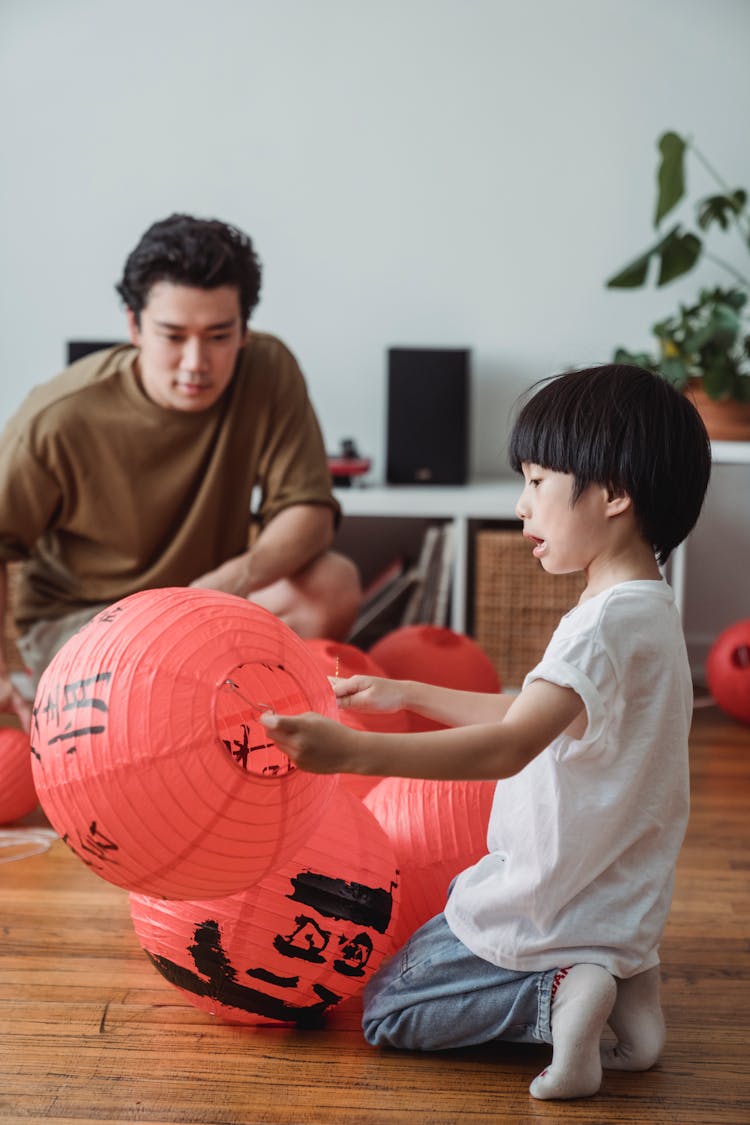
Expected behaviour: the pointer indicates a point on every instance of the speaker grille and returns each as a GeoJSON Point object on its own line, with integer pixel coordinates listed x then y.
{"type": "Point", "coordinates": [428, 416]}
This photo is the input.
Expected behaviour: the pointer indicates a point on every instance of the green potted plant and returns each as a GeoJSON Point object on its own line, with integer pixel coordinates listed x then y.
{"type": "Point", "coordinates": [703, 347]}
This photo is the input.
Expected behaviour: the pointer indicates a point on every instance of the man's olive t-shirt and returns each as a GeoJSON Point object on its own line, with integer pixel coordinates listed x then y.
{"type": "Point", "coordinates": [105, 493]}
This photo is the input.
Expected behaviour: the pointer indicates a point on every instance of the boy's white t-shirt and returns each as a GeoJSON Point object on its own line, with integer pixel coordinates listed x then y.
{"type": "Point", "coordinates": [582, 843]}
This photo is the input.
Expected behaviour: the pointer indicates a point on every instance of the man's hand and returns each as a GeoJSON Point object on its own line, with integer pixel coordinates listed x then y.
{"type": "Point", "coordinates": [313, 743]}
{"type": "Point", "coordinates": [230, 578]}
{"type": "Point", "coordinates": [368, 693]}
{"type": "Point", "coordinates": [285, 546]}
{"type": "Point", "coordinates": [12, 700]}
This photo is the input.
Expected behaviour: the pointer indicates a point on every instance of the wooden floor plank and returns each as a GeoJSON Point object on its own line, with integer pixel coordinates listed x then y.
{"type": "Point", "coordinates": [90, 1033]}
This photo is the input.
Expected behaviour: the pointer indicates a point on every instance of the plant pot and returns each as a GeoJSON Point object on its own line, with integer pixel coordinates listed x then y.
{"type": "Point", "coordinates": [725, 420]}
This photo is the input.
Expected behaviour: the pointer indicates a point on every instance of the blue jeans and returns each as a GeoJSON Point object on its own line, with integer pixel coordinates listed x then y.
{"type": "Point", "coordinates": [435, 994]}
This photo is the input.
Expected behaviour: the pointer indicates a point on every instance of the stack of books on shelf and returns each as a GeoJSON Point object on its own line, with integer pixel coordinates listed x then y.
{"type": "Point", "coordinates": [407, 593]}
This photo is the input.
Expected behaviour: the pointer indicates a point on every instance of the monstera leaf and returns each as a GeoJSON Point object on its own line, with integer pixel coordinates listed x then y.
{"type": "Point", "coordinates": [677, 252]}
{"type": "Point", "coordinates": [708, 340]}
{"type": "Point", "coordinates": [671, 175]}
{"type": "Point", "coordinates": [721, 209]}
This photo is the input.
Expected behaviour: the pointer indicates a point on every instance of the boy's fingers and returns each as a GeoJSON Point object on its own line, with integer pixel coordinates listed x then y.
{"type": "Point", "coordinates": [287, 724]}
{"type": "Point", "coordinates": [342, 688]}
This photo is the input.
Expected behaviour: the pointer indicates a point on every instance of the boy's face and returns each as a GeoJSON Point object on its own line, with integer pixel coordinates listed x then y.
{"type": "Point", "coordinates": [189, 340]}
{"type": "Point", "coordinates": [566, 537]}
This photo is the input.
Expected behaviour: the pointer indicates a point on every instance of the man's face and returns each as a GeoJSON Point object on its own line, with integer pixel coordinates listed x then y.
{"type": "Point", "coordinates": [189, 340]}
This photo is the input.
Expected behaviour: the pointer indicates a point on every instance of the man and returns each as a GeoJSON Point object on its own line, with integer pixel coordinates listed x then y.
{"type": "Point", "coordinates": [136, 467]}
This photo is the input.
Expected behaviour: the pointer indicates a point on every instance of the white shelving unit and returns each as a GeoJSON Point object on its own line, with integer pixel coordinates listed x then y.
{"type": "Point", "coordinates": [731, 452]}
{"type": "Point", "coordinates": [722, 453]}
{"type": "Point", "coordinates": [487, 500]}
{"type": "Point", "coordinates": [457, 504]}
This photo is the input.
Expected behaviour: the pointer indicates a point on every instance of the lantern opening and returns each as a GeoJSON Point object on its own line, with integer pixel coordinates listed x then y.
{"type": "Point", "coordinates": [243, 695]}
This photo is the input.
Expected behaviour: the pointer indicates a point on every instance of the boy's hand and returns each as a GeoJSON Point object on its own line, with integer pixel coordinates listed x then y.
{"type": "Point", "coordinates": [312, 742]}
{"type": "Point", "coordinates": [369, 693]}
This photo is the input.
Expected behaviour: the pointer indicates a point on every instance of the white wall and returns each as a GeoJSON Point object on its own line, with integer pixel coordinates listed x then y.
{"type": "Point", "coordinates": [435, 172]}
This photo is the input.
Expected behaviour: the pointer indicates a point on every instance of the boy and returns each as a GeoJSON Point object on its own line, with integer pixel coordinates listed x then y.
{"type": "Point", "coordinates": [556, 930]}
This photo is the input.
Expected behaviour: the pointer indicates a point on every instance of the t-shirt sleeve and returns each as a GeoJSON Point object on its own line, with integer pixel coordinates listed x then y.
{"type": "Point", "coordinates": [293, 468]}
{"type": "Point", "coordinates": [581, 664]}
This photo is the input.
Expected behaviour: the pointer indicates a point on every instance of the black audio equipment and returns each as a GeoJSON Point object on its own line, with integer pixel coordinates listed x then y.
{"type": "Point", "coordinates": [428, 416]}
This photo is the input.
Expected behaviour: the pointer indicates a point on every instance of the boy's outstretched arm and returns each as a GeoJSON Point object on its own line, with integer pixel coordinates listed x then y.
{"type": "Point", "coordinates": [486, 751]}
{"type": "Point", "coordinates": [445, 705]}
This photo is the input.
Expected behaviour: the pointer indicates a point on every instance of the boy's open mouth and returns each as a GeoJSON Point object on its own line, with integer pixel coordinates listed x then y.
{"type": "Point", "coordinates": [539, 544]}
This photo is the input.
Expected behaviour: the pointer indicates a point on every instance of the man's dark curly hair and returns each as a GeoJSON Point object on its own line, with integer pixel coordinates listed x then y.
{"type": "Point", "coordinates": [204, 253]}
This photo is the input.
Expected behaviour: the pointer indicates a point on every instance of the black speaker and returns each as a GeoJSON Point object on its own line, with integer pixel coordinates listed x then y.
{"type": "Point", "coordinates": [428, 416]}
{"type": "Point", "coordinates": [77, 349]}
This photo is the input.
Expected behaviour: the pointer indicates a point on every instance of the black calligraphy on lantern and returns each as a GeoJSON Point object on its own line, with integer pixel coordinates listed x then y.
{"type": "Point", "coordinates": [333, 931]}
{"type": "Point", "coordinates": [242, 748]}
{"type": "Point", "coordinates": [77, 697]}
{"type": "Point", "coordinates": [109, 615]}
{"type": "Point", "coordinates": [94, 847]}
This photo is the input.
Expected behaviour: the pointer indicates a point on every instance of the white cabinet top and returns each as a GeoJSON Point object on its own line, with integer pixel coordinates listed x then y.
{"type": "Point", "coordinates": [481, 499]}
{"type": "Point", "coordinates": [494, 499]}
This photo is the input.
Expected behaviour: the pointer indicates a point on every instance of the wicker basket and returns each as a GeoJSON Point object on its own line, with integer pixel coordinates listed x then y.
{"type": "Point", "coordinates": [517, 604]}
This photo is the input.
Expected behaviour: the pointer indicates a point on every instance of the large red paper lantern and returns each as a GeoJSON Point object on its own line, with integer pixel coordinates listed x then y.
{"type": "Point", "coordinates": [433, 654]}
{"type": "Point", "coordinates": [338, 659]}
{"type": "Point", "coordinates": [149, 758]}
{"type": "Point", "coordinates": [437, 828]}
{"type": "Point", "coordinates": [17, 793]}
{"type": "Point", "coordinates": [728, 670]}
{"type": "Point", "coordinates": [297, 943]}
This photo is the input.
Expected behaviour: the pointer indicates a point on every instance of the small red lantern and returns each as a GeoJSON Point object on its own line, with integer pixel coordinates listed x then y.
{"type": "Point", "coordinates": [148, 755]}
{"type": "Point", "coordinates": [437, 828]}
{"type": "Point", "coordinates": [338, 659]}
{"type": "Point", "coordinates": [728, 670]}
{"type": "Point", "coordinates": [433, 654]}
{"type": "Point", "coordinates": [17, 793]}
{"type": "Point", "coordinates": [297, 943]}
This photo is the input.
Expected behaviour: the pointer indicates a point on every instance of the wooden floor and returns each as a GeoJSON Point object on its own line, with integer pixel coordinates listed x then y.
{"type": "Point", "coordinates": [89, 1032]}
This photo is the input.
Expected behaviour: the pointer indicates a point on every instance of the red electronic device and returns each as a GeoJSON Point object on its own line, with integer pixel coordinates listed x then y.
{"type": "Point", "coordinates": [347, 464]}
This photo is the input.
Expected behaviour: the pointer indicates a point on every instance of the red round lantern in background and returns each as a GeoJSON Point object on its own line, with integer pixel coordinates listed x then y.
{"type": "Point", "coordinates": [17, 793]}
{"type": "Point", "coordinates": [149, 758]}
{"type": "Point", "coordinates": [728, 670]}
{"type": "Point", "coordinates": [437, 828]}
{"type": "Point", "coordinates": [297, 943]}
{"type": "Point", "coordinates": [338, 659]}
{"type": "Point", "coordinates": [433, 654]}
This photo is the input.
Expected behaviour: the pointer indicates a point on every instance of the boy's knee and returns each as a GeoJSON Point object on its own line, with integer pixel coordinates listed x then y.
{"type": "Point", "coordinates": [393, 1030]}
{"type": "Point", "coordinates": [372, 1031]}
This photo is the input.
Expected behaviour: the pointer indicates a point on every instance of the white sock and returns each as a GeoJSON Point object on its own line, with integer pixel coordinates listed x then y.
{"type": "Point", "coordinates": [580, 1008]}
{"type": "Point", "coordinates": [638, 1023]}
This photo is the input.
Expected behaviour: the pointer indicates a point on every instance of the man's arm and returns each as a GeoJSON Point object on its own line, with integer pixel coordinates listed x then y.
{"type": "Point", "coordinates": [10, 698]}
{"type": "Point", "coordinates": [291, 540]}
{"type": "Point", "coordinates": [489, 751]}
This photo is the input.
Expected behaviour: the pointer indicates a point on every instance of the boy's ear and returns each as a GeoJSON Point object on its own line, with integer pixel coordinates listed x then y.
{"type": "Point", "coordinates": [618, 501]}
